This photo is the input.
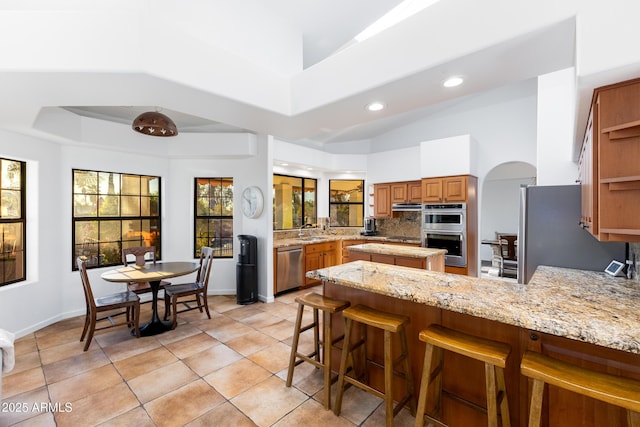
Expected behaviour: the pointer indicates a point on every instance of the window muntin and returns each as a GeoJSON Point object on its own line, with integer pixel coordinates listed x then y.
{"type": "Point", "coordinates": [12, 221]}
{"type": "Point", "coordinates": [214, 216]}
{"type": "Point", "coordinates": [112, 211]}
{"type": "Point", "coordinates": [346, 202]}
{"type": "Point", "coordinates": [294, 202]}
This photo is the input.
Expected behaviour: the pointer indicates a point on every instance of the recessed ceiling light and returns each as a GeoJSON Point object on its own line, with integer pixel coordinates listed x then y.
{"type": "Point", "coordinates": [453, 81]}
{"type": "Point", "coordinates": [375, 106]}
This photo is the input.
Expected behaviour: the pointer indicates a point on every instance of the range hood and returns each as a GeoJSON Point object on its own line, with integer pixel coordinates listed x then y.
{"type": "Point", "coordinates": [404, 207]}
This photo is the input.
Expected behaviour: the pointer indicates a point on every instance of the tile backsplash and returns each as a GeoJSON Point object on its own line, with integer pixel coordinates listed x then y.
{"type": "Point", "coordinates": [634, 248]}
{"type": "Point", "coordinates": [406, 224]}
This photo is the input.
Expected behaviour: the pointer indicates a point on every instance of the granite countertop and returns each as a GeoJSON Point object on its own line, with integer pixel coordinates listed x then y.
{"type": "Point", "coordinates": [311, 239]}
{"type": "Point", "coordinates": [397, 250]}
{"type": "Point", "coordinates": [587, 306]}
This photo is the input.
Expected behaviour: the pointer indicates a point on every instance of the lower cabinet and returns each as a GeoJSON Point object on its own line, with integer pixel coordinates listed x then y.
{"type": "Point", "coordinates": [435, 263]}
{"type": "Point", "coordinates": [319, 255]}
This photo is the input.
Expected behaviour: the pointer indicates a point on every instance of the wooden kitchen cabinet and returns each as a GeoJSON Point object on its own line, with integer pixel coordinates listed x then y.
{"type": "Point", "coordinates": [345, 244]}
{"type": "Point", "coordinates": [319, 255]}
{"type": "Point", "coordinates": [609, 170]}
{"type": "Point", "coordinates": [449, 189]}
{"type": "Point", "coordinates": [382, 200]}
{"type": "Point", "coordinates": [406, 192]}
{"type": "Point", "coordinates": [587, 170]}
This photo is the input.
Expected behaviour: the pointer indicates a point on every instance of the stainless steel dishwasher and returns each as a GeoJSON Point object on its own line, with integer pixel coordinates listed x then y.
{"type": "Point", "coordinates": [290, 268]}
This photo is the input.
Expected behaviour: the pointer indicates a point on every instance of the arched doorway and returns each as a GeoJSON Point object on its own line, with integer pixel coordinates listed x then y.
{"type": "Point", "coordinates": [501, 204]}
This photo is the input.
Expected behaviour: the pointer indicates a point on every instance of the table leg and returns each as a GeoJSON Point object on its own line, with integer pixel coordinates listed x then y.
{"type": "Point", "coordinates": [156, 325]}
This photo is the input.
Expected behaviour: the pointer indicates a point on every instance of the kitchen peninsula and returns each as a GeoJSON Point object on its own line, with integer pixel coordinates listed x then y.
{"type": "Point", "coordinates": [407, 256]}
{"type": "Point", "coordinates": [587, 318]}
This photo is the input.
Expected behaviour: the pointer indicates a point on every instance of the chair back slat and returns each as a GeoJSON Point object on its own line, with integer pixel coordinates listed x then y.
{"type": "Point", "coordinates": [86, 285]}
{"type": "Point", "coordinates": [206, 264]}
{"type": "Point", "coordinates": [140, 253]}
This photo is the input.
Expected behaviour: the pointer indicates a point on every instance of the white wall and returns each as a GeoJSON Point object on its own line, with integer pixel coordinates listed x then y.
{"type": "Point", "coordinates": [38, 301]}
{"type": "Point", "coordinates": [556, 113]}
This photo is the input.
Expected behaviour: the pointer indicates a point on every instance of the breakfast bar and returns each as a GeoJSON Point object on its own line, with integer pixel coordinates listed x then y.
{"type": "Point", "coordinates": [586, 318]}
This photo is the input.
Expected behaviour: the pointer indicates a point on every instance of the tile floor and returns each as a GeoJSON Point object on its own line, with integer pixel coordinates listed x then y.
{"type": "Point", "coordinates": [227, 371]}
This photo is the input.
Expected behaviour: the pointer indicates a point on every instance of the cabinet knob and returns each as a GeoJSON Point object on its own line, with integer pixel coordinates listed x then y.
{"type": "Point", "coordinates": [534, 337]}
{"type": "Point", "coordinates": [578, 181]}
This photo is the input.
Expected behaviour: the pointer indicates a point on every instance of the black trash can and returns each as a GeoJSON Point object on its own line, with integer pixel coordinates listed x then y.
{"type": "Point", "coordinates": [247, 270]}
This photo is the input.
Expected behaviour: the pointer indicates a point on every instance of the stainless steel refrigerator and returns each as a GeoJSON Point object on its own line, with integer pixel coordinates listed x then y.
{"type": "Point", "coordinates": [549, 233]}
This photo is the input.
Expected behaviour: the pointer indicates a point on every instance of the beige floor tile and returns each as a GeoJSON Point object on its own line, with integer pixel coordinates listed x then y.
{"type": "Point", "coordinates": [241, 312]}
{"type": "Point", "coordinates": [24, 362]}
{"type": "Point", "coordinates": [268, 401]}
{"type": "Point", "coordinates": [306, 378]}
{"type": "Point", "coordinates": [114, 336]}
{"type": "Point", "coordinates": [45, 419]}
{"type": "Point", "coordinates": [60, 352]}
{"type": "Point", "coordinates": [237, 377]}
{"type": "Point", "coordinates": [126, 349]}
{"type": "Point", "coordinates": [178, 334]}
{"type": "Point", "coordinates": [261, 320]}
{"type": "Point", "coordinates": [227, 412]}
{"type": "Point", "coordinates": [184, 404]}
{"type": "Point", "coordinates": [226, 304]}
{"type": "Point", "coordinates": [145, 362]}
{"type": "Point", "coordinates": [403, 419]}
{"type": "Point", "coordinates": [312, 413]}
{"type": "Point", "coordinates": [21, 407]}
{"type": "Point", "coordinates": [282, 310]}
{"type": "Point", "coordinates": [61, 326]}
{"type": "Point", "coordinates": [137, 417]}
{"type": "Point", "coordinates": [24, 345]}
{"type": "Point", "coordinates": [24, 381]}
{"type": "Point", "coordinates": [192, 345]}
{"type": "Point", "coordinates": [228, 330]}
{"type": "Point", "coordinates": [84, 384]}
{"type": "Point", "coordinates": [98, 407]}
{"type": "Point", "coordinates": [161, 381]}
{"type": "Point", "coordinates": [357, 405]}
{"type": "Point", "coordinates": [280, 331]}
{"type": "Point", "coordinates": [274, 358]}
{"type": "Point", "coordinates": [251, 342]}
{"type": "Point", "coordinates": [91, 359]}
{"type": "Point", "coordinates": [62, 336]}
{"type": "Point", "coordinates": [212, 359]}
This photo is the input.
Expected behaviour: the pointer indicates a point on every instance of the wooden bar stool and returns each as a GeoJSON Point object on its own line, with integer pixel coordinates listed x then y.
{"type": "Point", "coordinates": [494, 355]}
{"type": "Point", "coordinates": [619, 391]}
{"type": "Point", "coordinates": [329, 306]}
{"type": "Point", "coordinates": [390, 323]}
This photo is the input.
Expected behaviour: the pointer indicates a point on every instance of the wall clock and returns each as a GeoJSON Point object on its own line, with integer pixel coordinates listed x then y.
{"type": "Point", "coordinates": [252, 202]}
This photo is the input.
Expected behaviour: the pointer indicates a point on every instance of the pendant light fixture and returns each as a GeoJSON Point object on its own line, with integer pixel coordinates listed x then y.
{"type": "Point", "coordinates": [154, 123]}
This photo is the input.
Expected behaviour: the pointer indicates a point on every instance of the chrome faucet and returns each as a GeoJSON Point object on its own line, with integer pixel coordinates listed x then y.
{"type": "Point", "coordinates": [300, 233]}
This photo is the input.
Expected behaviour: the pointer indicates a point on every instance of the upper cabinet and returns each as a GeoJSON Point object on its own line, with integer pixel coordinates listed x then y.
{"type": "Point", "coordinates": [402, 192]}
{"type": "Point", "coordinates": [447, 189]}
{"type": "Point", "coordinates": [385, 195]}
{"type": "Point", "coordinates": [609, 169]}
{"type": "Point", "coordinates": [382, 200]}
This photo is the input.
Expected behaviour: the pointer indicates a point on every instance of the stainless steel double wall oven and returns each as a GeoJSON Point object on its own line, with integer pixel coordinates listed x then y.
{"type": "Point", "coordinates": [444, 226]}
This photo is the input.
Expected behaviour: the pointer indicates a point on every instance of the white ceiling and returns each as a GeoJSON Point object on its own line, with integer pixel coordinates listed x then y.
{"type": "Point", "coordinates": [327, 26]}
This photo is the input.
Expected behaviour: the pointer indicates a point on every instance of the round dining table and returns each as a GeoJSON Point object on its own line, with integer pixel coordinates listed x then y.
{"type": "Point", "coordinates": [152, 273]}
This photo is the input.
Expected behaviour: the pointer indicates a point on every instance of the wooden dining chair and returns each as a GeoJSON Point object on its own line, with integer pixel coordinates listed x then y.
{"type": "Point", "coordinates": [197, 290]}
{"type": "Point", "coordinates": [142, 254]}
{"type": "Point", "coordinates": [114, 304]}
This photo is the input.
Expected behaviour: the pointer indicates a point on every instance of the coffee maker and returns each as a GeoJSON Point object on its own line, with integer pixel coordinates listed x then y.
{"type": "Point", "coordinates": [369, 227]}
